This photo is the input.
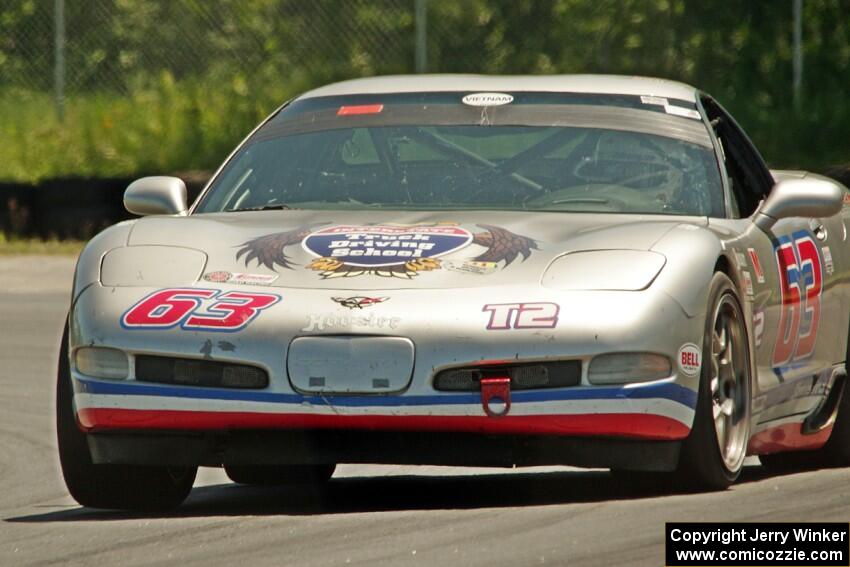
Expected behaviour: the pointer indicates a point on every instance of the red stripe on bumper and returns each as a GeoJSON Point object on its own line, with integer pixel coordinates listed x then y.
{"type": "Point", "coordinates": [786, 437]}
{"type": "Point", "coordinates": [628, 425]}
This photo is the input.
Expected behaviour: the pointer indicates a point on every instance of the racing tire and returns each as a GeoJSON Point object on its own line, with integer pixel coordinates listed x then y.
{"type": "Point", "coordinates": [275, 475]}
{"type": "Point", "coordinates": [713, 454]}
{"type": "Point", "coordinates": [114, 487]}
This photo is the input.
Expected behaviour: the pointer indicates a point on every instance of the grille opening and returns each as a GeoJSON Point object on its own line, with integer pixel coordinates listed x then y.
{"type": "Point", "coordinates": [527, 376]}
{"type": "Point", "coordinates": [206, 373]}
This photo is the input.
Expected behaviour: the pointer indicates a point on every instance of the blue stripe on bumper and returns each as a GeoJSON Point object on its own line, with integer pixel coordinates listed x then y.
{"type": "Point", "coordinates": [669, 391]}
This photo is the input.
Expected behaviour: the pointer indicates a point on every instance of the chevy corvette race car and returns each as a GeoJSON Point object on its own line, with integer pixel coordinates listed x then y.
{"type": "Point", "coordinates": [596, 271]}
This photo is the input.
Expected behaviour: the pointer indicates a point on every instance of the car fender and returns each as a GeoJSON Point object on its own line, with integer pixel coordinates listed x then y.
{"type": "Point", "coordinates": [692, 254]}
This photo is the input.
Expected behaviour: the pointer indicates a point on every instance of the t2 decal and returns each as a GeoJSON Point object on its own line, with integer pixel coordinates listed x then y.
{"type": "Point", "coordinates": [800, 285]}
{"type": "Point", "coordinates": [197, 309]}
{"type": "Point", "coordinates": [503, 316]}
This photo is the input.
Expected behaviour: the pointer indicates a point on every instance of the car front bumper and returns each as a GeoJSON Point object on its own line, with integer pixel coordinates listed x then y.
{"type": "Point", "coordinates": [448, 329]}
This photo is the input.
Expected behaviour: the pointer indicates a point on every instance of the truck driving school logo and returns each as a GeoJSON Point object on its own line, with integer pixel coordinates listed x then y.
{"type": "Point", "coordinates": [400, 251]}
{"type": "Point", "coordinates": [375, 247]}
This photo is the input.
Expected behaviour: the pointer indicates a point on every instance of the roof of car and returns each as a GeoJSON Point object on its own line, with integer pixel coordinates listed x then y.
{"type": "Point", "coordinates": [602, 84]}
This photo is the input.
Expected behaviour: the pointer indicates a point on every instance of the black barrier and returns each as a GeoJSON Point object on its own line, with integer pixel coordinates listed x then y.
{"type": "Point", "coordinates": [79, 208]}
{"type": "Point", "coordinates": [71, 207]}
{"type": "Point", "coordinates": [758, 544]}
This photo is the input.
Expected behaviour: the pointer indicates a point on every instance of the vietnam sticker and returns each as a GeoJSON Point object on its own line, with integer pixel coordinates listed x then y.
{"type": "Point", "coordinates": [690, 359]}
{"type": "Point", "coordinates": [487, 99]}
{"type": "Point", "coordinates": [373, 246]}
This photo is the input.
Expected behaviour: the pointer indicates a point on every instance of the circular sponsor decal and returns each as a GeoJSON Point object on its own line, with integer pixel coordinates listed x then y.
{"type": "Point", "coordinates": [218, 277]}
{"type": "Point", "coordinates": [690, 359]}
{"type": "Point", "coordinates": [379, 245]}
{"type": "Point", "coordinates": [487, 99]}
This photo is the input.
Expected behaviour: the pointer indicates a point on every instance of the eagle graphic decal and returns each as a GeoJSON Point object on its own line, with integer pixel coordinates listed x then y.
{"type": "Point", "coordinates": [388, 250]}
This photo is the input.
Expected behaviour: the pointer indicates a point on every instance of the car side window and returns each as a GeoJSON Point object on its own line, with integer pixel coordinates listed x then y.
{"type": "Point", "coordinates": [748, 175]}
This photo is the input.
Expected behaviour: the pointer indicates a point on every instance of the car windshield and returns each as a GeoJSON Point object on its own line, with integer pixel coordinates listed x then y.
{"type": "Point", "coordinates": [543, 152]}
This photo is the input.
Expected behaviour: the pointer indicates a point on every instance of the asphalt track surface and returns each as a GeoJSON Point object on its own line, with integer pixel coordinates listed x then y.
{"type": "Point", "coordinates": [368, 515]}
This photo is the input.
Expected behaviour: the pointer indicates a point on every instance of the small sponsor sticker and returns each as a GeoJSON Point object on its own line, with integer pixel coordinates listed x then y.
{"type": "Point", "coordinates": [684, 112]}
{"type": "Point", "coordinates": [690, 359]}
{"type": "Point", "coordinates": [827, 261]}
{"type": "Point", "coordinates": [754, 258]}
{"type": "Point", "coordinates": [470, 266]}
{"type": "Point", "coordinates": [659, 100]}
{"type": "Point", "coordinates": [239, 278]}
{"type": "Point", "coordinates": [253, 279]}
{"type": "Point", "coordinates": [218, 277]}
{"type": "Point", "coordinates": [748, 283]}
{"type": "Point", "coordinates": [758, 325]}
{"type": "Point", "coordinates": [740, 258]}
{"type": "Point", "coordinates": [360, 109]}
{"type": "Point", "coordinates": [487, 99]}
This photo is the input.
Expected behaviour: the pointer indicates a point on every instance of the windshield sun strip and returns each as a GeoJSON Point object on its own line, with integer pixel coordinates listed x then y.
{"type": "Point", "coordinates": [580, 116]}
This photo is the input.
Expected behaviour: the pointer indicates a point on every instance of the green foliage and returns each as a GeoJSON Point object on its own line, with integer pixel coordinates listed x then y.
{"type": "Point", "coordinates": [165, 126]}
{"type": "Point", "coordinates": [27, 246]}
{"type": "Point", "coordinates": [169, 85]}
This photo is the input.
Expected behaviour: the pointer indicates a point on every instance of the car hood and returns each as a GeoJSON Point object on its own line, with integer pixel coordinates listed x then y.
{"type": "Point", "coordinates": [373, 250]}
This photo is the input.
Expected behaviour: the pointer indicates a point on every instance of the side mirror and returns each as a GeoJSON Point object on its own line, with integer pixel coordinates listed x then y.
{"type": "Point", "coordinates": [804, 197]}
{"type": "Point", "coordinates": [157, 195]}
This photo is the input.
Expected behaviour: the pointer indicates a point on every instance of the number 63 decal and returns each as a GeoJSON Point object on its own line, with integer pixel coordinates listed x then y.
{"type": "Point", "coordinates": [197, 309]}
{"type": "Point", "coordinates": [800, 286]}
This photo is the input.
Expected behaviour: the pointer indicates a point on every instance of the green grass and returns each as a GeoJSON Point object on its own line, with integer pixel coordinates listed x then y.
{"type": "Point", "coordinates": [164, 125]}
{"type": "Point", "coordinates": [23, 246]}
{"type": "Point", "coordinates": [160, 127]}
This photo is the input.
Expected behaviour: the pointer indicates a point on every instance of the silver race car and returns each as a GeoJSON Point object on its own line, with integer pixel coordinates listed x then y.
{"type": "Point", "coordinates": [596, 271]}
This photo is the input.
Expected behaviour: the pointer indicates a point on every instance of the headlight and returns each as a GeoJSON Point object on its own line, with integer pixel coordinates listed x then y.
{"type": "Point", "coordinates": [100, 362]}
{"type": "Point", "coordinates": [628, 367]}
{"type": "Point", "coordinates": [152, 266]}
{"type": "Point", "coordinates": [614, 270]}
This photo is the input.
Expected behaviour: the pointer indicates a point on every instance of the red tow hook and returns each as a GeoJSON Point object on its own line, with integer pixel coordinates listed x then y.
{"type": "Point", "coordinates": [496, 396]}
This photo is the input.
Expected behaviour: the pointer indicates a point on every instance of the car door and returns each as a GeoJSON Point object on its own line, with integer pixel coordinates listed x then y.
{"type": "Point", "coordinates": [788, 275]}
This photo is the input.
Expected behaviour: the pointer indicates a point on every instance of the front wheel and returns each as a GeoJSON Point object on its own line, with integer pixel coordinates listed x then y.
{"type": "Point", "coordinates": [116, 487]}
{"type": "Point", "coordinates": [713, 454]}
